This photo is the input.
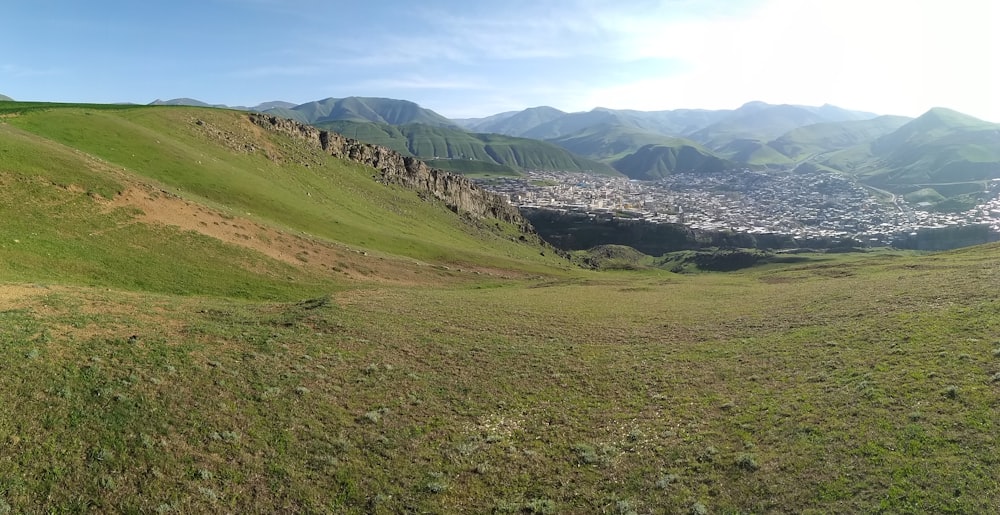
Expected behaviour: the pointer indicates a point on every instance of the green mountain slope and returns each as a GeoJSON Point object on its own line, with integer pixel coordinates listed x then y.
{"type": "Point", "coordinates": [515, 123]}
{"type": "Point", "coordinates": [941, 148]}
{"type": "Point", "coordinates": [654, 161]}
{"type": "Point", "coordinates": [73, 157]}
{"type": "Point", "coordinates": [756, 121]}
{"type": "Point", "coordinates": [740, 135]}
{"type": "Point", "coordinates": [5, 98]}
{"type": "Point", "coordinates": [363, 109]}
{"type": "Point", "coordinates": [549, 123]}
{"type": "Point", "coordinates": [573, 123]}
{"type": "Point", "coordinates": [810, 140]}
{"type": "Point", "coordinates": [458, 150]}
{"type": "Point", "coordinates": [610, 141]}
{"type": "Point", "coordinates": [753, 153]}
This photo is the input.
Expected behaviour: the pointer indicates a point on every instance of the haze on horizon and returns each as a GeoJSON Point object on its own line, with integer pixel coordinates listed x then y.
{"type": "Point", "coordinates": [475, 59]}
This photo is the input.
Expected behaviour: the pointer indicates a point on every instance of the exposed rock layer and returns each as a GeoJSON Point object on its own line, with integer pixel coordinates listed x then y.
{"type": "Point", "coordinates": [457, 192]}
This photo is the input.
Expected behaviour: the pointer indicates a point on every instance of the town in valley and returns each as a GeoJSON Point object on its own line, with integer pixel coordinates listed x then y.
{"type": "Point", "coordinates": [803, 205]}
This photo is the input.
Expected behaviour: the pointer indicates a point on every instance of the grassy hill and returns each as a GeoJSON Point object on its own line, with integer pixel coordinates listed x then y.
{"type": "Point", "coordinates": [461, 151]}
{"type": "Point", "coordinates": [105, 152]}
{"type": "Point", "coordinates": [5, 98]}
{"type": "Point", "coordinates": [741, 136]}
{"type": "Point", "coordinates": [819, 138]}
{"type": "Point", "coordinates": [940, 149]}
{"type": "Point", "coordinates": [363, 109]}
{"type": "Point", "coordinates": [757, 121]}
{"type": "Point", "coordinates": [200, 316]}
{"type": "Point", "coordinates": [609, 141]}
{"type": "Point", "coordinates": [515, 123]}
{"type": "Point", "coordinates": [549, 123]}
{"type": "Point", "coordinates": [754, 153]}
{"type": "Point", "coordinates": [654, 161]}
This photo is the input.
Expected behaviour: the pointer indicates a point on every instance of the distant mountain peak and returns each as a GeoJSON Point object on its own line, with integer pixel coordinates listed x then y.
{"type": "Point", "coordinates": [941, 117]}
{"type": "Point", "coordinates": [544, 109]}
{"type": "Point", "coordinates": [191, 102]}
{"type": "Point", "coordinates": [5, 98]}
{"type": "Point", "coordinates": [363, 109]}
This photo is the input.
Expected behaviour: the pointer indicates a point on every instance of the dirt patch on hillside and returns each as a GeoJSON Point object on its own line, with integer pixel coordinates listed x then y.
{"type": "Point", "coordinates": [15, 296]}
{"type": "Point", "coordinates": [160, 207]}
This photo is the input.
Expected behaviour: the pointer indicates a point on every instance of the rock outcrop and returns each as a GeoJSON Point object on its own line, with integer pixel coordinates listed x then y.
{"type": "Point", "coordinates": [457, 192]}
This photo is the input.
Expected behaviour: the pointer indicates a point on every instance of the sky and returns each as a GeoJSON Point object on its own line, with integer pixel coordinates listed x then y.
{"type": "Point", "coordinates": [471, 58]}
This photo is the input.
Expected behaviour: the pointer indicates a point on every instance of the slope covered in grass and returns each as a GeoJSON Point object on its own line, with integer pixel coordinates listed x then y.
{"type": "Point", "coordinates": [939, 147]}
{"type": "Point", "coordinates": [819, 138]}
{"type": "Point", "coordinates": [850, 385]}
{"type": "Point", "coordinates": [610, 142]}
{"type": "Point", "coordinates": [84, 158]}
{"type": "Point", "coordinates": [362, 109]}
{"type": "Point", "coordinates": [657, 160]}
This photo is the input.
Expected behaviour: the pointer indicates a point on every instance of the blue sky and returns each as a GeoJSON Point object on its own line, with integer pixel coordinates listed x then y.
{"type": "Point", "coordinates": [470, 58]}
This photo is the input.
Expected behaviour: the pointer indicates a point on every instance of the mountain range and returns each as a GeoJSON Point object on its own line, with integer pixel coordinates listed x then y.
{"type": "Point", "coordinates": [943, 154]}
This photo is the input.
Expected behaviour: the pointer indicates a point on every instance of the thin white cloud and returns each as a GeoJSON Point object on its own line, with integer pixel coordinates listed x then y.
{"type": "Point", "coordinates": [18, 71]}
{"type": "Point", "coordinates": [420, 82]}
{"type": "Point", "coordinates": [279, 71]}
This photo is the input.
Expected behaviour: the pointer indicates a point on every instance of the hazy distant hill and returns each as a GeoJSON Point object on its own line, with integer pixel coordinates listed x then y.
{"type": "Point", "coordinates": [363, 109]}
{"type": "Point", "coordinates": [6, 98]}
{"type": "Point", "coordinates": [765, 122]}
{"type": "Point", "coordinates": [190, 102]}
{"type": "Point", "coordinates": [825, 137]}
{"type": "Point", "coordinates": [652, 162]}
{"type": "Point", "coordinates": [550, 123]}
{"type": "Point", "coordinates": [458, 150]}
{"type": "Point", "coordinates": [739, 136]}
{"type": "Point", "coordinates": [753, 152]}
{"type": "Point", "coordinates": [610, 141]}
{"type": "Point", "coordinates": [515, 123]}
{"type": "Point", "coordinates": [276, 104]}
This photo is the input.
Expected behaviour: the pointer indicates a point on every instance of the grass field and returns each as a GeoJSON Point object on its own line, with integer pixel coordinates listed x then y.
{"type": "Point", "coordinates": [152, 364]}
{"type": "Point", "coordinates": [862, 386]}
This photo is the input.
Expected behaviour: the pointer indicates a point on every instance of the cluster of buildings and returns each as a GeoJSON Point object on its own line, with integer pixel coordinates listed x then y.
{"type": "Point", "coordinates": [804, 205]}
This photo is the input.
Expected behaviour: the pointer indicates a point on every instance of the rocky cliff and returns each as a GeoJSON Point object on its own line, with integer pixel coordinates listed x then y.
{"type": "Point", "coordinates": [457, 192]}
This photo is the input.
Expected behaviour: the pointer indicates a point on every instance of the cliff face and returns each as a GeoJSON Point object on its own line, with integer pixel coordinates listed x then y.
{"type": "Point", "coordinates": [458, 193]}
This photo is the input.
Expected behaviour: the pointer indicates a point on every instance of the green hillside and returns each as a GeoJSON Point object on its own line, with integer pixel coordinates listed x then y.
{"type": "Point", "coordinates": [942, 150]}
{"type": "Point", "coordinates": [573, 123]}
{"type": "Point", "coordinates": [754, 153]}
{"type": "Point", "coordinates": [654, 161]}
{"type": "Point", "coordinates": [756, 121]}
{"type": "Point", "coordinates": [363, 109]}
{"type": "Point", "coordinates": [5, 98]}
{"type": "Point", "coordinates": [548, 123]}
{"type": "Point", "coordinates": [740, 136]}
{"type": "Point", "coordinates": [199, 315]}
{"type": "Point", "coordinates": [609, 141]}
{"type": "Point", "coordinates": [88, 153]}
{"type": "Point", "coordinates": [819, 138]}
{"type": "Point", "coordinates": [516, 123]}
{"type": "Point", "coordinates": [458, 150]}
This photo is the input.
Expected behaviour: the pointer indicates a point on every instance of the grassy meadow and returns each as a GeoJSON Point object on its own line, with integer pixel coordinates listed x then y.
{"type": "Point", "coordinates": [258, 335]}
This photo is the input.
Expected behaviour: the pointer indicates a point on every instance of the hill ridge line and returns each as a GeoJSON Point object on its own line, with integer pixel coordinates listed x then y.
{"type": "Point", "coordinates": [459, 193]}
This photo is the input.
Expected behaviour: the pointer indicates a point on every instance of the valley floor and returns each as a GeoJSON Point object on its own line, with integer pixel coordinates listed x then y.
{"type": "Point", "coordinates": [858, 384]}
